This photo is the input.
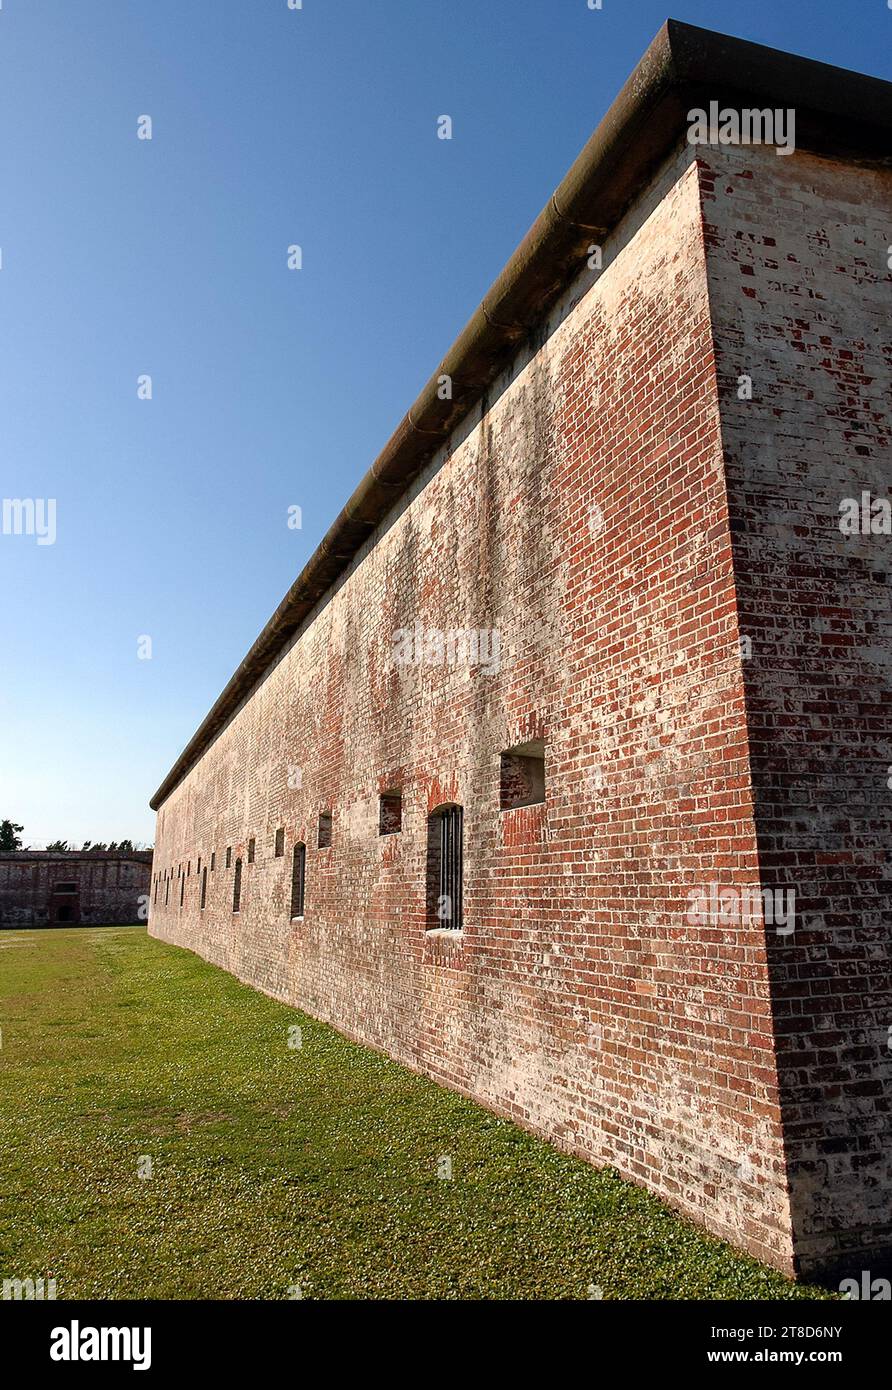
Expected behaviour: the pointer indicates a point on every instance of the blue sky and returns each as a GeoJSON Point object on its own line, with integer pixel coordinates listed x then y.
{"type": "Point", "coordinates": [270, 388]}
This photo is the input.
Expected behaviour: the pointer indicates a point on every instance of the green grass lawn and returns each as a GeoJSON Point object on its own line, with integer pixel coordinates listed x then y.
{"type": "Point", "coordinates": [277, 1168]}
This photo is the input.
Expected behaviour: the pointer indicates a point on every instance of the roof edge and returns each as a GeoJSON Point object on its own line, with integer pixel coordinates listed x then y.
{"type": "Point", "coordinates": [838, 111]}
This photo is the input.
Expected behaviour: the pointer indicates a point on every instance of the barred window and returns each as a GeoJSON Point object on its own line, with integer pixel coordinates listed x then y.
{"type": "Point", "coordinates": [298, 881]}
{"type": "Point", "coordinates": [445, 868]}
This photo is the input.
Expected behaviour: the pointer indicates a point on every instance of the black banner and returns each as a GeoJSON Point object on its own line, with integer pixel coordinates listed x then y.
{"type": "Point", "coordinates": [91, 1339]}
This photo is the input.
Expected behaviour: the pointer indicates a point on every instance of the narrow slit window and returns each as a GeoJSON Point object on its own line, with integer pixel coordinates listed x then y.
{"type": "Point", "coordinates": [228, 856]}
{"type": "Point", "coordinates": [237, 886]}
{"type": "Point", "coordinates": [445, 868]}
{"type": "Point", "coordinates": [280, 843]}
{"type": "Point", "coordinates": [390, 813]}
{"type": "Point", "coordinates": [213, 860]}
{"type": "Point", "coordinates": [522, 776]}
{"type": "Point", "coordinates": [182, 887]}
{"type": "Point", "coordinates": [167, 893]}
{"type": "Point", "coordinates": [298, 881]}
{"type": "Point", "coordinates": [251, 844]}
{"type": "Point", "coordinates": [325, 830]}
{"type": "Point", "coordinates": [204, 887]}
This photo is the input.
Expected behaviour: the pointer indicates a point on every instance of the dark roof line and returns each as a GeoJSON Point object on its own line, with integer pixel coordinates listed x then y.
{"type": "Point", "coordinates": [837, 112]}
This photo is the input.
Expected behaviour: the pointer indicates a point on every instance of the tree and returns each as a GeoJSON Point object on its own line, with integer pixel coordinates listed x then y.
{"type": "Point", "coordinates": [100, 847]}
{"type": "Point", "coordinates": [9, 836]}
{"type": "Point", "coordinates": [58, 846]}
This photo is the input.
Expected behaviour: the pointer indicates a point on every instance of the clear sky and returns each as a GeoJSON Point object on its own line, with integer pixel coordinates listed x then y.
{"type": "Point", "coordinates": [271, 388]}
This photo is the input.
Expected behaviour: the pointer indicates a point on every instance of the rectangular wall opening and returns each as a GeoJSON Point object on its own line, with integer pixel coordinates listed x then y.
{"type": "Point", "coordinates": [522, 776]}
{"type": "Point", "coordinates": [390, 813]}
{"type": "Point", "coordinates": [325, 830]}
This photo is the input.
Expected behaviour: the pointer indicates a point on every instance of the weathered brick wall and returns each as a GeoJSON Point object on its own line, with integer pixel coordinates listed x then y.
{"type": "Point", "coordinates": [583, 517]}
{"type": "Point", "coordinates": [108, 889]}
{"type": "Point", "coordinates": [801, 295]}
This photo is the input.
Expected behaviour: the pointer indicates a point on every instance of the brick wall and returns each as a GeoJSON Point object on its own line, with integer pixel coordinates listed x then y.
{"type": "Point", "coordinates": [801, 296]}
{"type": "Point", "coordinates": [581, 516]}
{"type": "Point", "coordinates": [106, 889]}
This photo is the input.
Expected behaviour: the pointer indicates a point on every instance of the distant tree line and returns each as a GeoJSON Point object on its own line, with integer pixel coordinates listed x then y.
{"type": "Point", "coordinates": [10, 840]}
{"type": "Point", "coordinates": [99, 847]}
